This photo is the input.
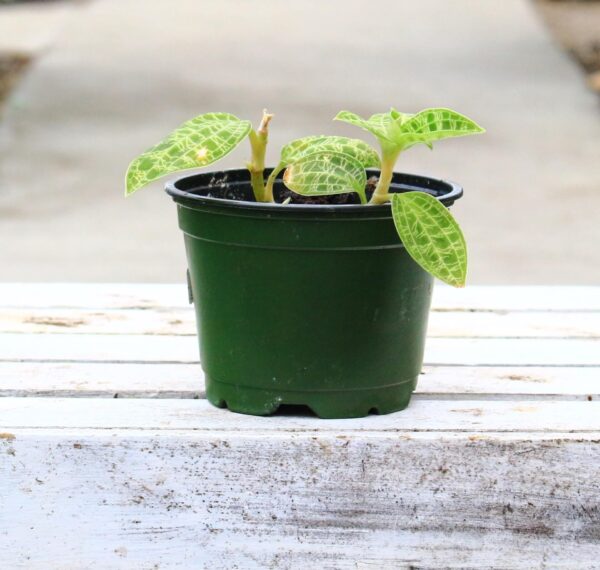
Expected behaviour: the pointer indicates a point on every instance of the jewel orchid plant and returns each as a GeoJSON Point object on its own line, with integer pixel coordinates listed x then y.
{"type": "Point", "coordinates": [326, 165]}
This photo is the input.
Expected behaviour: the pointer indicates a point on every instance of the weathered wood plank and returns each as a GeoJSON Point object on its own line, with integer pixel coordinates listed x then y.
{"type": "Point", "coordinates": [148, 348]}
{"type": "Point", "coordinates": [101, 380]}
{"type": "Point", "coordinates": [495, 465]}
{"type": "Point", "coordinates": [156, 380]}
{"type": "Point", "coordinates": [517, 298]}
{"type": "Point", "coordinates": [101, 348]}
{"type": "Point", "coordinates": [93, 295]}
{"type": "Point", "coordinates": [489, 382]}
{"type": "Point", "coordinates": [129, 500]}
{"type": "Point", "coordinates": [154, 321]}
{"type": "Point", "coordinates": [506, 324]}
{"type": "Point", "coordinates": [178, 321]}
{"type": "Point", "coordinates": [422, 415]}
{"type": "Point", "coordinates": [126, 295]}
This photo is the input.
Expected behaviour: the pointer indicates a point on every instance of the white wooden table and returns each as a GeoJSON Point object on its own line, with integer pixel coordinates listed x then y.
{"type": "Point", "coordinates": [110, 457]}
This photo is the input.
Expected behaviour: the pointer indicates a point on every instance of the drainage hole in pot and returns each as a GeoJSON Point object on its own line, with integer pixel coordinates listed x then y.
{"type": "Point", "coordinates": [295, 410]}
{"type": "Point", "coordinates": [374, 411]}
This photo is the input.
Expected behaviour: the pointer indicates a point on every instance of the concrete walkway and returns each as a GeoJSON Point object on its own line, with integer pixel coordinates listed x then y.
{"type": "Point", "coordinates": [122, 73]}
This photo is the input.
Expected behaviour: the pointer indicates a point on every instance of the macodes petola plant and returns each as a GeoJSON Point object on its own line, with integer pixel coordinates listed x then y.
{"type": "Point", "coordinates": [326, 165]}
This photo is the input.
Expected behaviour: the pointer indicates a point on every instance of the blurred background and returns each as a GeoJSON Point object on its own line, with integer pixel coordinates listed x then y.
{"type": "Point", "coordinates": [86, 85]}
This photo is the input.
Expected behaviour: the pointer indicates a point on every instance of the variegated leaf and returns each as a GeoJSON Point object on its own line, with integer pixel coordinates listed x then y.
{"type": "Point", "coordinates": [435, 124]}
{"type": "Point", "coordinates": [198, 142]}
{"type": "Point", "coordinates": [398, 131]}
{"type": "Point", "coordinates": [431, 236]}
{"type": "Point", "coordinates": [355, 148]}
{"type": "Point", "coordinates": [377, 125]}
{"type": "Point", "coordinates": [326, 173]}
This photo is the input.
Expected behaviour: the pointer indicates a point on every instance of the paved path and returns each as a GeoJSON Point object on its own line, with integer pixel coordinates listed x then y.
{"type": "Point", "coordinates": [119, 76]}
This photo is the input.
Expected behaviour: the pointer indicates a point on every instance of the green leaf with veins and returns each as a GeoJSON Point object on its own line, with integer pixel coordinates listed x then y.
{"type": "Point", "coordinates": [398, 131]}
{"type": "Point", "coordinates": [198, 142]}
{"type": "Point", "coordinates": [436, 124]}
{"type": "Point", "coordinates": [377, 125]}
{"type": "Point", "coordinates": [355, 148]}
{"type": "Point", "coordinates": [431, 236]}
{"type": "Point", "coordinates": [326, 173]}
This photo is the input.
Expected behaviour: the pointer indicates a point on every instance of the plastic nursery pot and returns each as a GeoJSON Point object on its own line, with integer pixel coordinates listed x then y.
{"type": "Point", "coordinates": [316, 305]}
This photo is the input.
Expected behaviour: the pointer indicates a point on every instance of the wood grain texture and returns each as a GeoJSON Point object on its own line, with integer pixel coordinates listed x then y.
{"type": "Point", "coordinates": [120, 500]}
{"type": "Point", "coordinates": [146, 296]}
{"type": "Point", "coordinates": [172, 349]}
{"type": "Point", "coordinates": [111, 458]}
{"type": "Point", "coordinates": [155, 380]}
{"type": "Point", "coordinates": [422, 415]}
{"type": "Point", "coordinates": [181, 321]}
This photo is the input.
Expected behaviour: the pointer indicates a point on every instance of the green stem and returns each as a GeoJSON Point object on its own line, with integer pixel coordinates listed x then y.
{"type": "Point", "coordinates": [271, 182]}
{"type": "Point", "coordinates": [256, 166]}
{"type": "Point", "coordinates": [381, 194]}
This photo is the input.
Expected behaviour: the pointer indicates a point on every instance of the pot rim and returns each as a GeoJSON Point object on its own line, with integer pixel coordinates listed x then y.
{"type": "Point", "coordinates": [455, 191]}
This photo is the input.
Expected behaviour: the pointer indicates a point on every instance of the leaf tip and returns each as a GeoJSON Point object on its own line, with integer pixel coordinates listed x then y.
{"type": "Point", "coordinates": [477, 129]}
{"type": "Point", "coordinates": [130, 187]}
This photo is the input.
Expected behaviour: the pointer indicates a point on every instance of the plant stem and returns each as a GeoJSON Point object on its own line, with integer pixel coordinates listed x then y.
{"type": "Point", "coordinates": [381, 194]}
{"type": "Point", "coordinates": [270, 183]}
{"type": "Point", "coordinates": [256, 166]}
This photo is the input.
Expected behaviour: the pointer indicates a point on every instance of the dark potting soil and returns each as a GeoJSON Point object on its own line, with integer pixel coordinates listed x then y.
{"type": "Point", "coordinates": [220, 188]}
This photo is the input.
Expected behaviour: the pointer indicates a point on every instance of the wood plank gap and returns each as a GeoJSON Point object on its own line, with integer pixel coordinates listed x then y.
{"type": "Point", "coordinates": [107, 394]}
{"type": "Point", "coordinates": [75, 332]}
{"type": "Point", "coordinates": [507, 397]}
{"type": "Point", "coordinates": [201, 395]}
{"type": "Point", "coordinates": [90, 361]}
{"type": "Point", "coordinates": [169, 308]}
{"type": "Point", "coordinates": [316, 430]}
{"type": "Point", "coordinates": [188, 362]}
{"type": "Point", "coordinates": [396, 435]}
{"type": "Point", "coordinates": [505, 365]}
{"type": "Point", "coordinates": [591, 337]}
{"type": "Point", "coordinates": [509, 311]}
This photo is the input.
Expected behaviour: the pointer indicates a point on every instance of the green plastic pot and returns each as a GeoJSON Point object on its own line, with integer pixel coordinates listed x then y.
{"type": "Point", "coordinates": [315, 305]}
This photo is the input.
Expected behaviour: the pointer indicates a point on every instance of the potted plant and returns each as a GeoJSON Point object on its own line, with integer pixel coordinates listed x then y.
{"type": "Point", "coordinates": [312, 280]}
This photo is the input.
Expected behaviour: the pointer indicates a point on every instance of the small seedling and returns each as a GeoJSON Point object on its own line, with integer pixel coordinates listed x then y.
{"type": "Point", "coordinates": [326, 165]}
